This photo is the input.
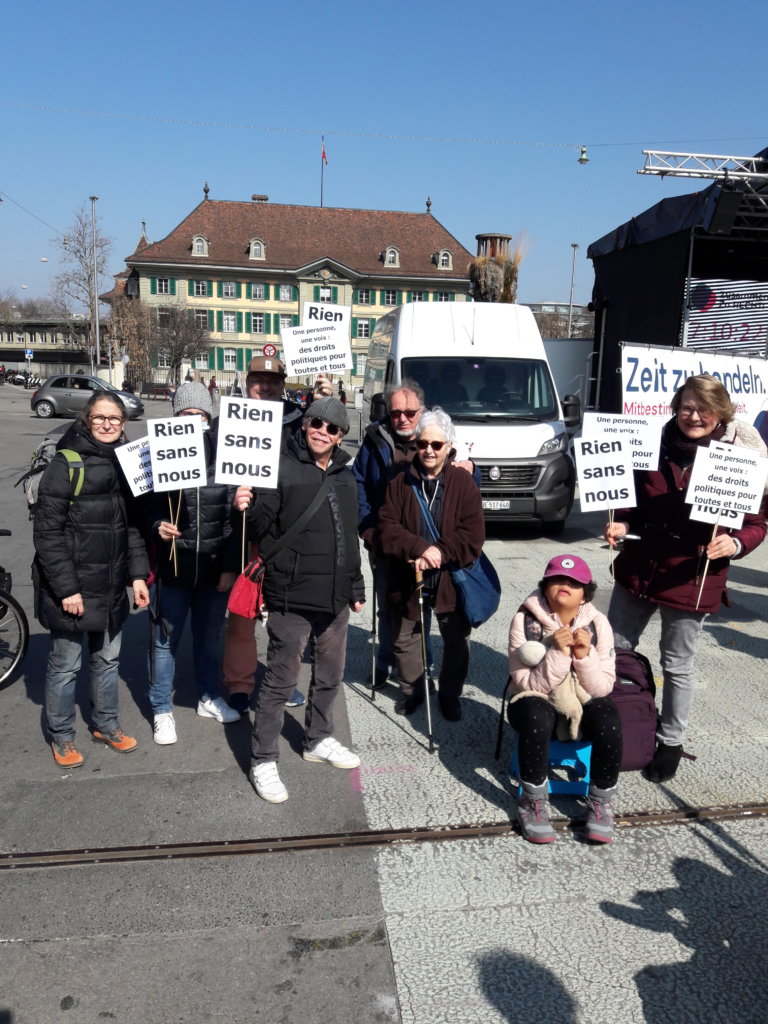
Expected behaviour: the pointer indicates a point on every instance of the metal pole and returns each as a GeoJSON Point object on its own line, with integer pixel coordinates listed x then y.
{"type": "Point", "coordinates": [574, 246]}
{"type": "Point", "coordinates": [95, 283]}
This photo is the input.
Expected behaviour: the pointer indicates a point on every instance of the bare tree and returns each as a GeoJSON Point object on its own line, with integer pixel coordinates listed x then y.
{"type": "Point", "coordinates": [73, 285]}
{"type": "Point", "coordinates": [179, 336]}
{"type": "Point", "coordinates": [133, 334]}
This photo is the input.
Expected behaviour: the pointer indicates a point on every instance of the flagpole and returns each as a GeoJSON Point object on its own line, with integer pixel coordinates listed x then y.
{"type": "Point", "coordinates": [322, 166]}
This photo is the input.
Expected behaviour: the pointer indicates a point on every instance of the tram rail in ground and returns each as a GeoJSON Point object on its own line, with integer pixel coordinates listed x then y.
{"type": "Point", "coordinates": [348, 840]}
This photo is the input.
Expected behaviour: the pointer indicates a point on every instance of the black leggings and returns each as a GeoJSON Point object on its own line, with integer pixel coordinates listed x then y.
{"type": "Point", "coordinates": [533, 719]}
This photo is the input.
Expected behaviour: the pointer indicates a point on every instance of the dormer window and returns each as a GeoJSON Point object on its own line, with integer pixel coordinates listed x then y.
{"type": "Point", "coordinates": [391, 257]}
{"type": "Point", "coordinates": [445, 260]}
{"type": "Point", "coordinates": [199, 246]}
{"type": "Point", "coordinates": [257, 249]}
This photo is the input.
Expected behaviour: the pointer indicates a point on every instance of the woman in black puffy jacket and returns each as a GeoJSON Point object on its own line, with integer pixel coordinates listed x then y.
{"type": "Point", "coordinates": [195, 582]}
{"type": "Point", "coordinates": [88, 549]}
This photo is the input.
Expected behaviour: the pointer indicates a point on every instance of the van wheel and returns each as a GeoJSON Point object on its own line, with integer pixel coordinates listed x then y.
{"type": "Point", "coordinates": [44, 410]}
{"type": "Point", "coordinates": [554, 528]}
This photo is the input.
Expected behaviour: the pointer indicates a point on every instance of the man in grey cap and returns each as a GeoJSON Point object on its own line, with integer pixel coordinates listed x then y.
{"type": "Point", "coordinates": [309, 588]}
{"type": "Point", "coordinates": [266, 381]}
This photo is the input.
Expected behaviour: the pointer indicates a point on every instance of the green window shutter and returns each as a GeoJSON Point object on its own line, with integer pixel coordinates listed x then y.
{"type": "Point", "coordinates": [295, 293]}
{"type": "Point", "coordinates": [209, 289]}
{"type": "Point", "coordinates": [153, 286]}
{"type": "Point", "coordinates": [316, 293]}
{"type": "Point", "coordinates": [238, 290]}
{"type": "Point", "coordinates": [219, 290]}
{"type": "Point", "coordinates": [268, 323]}
{"type": "Point", "coordinates": [266, 291]}
{"type": "Point", "coordinates": [172, 285]}
{"type": "Point", "coordinates": [295, 319]}
{"type": "Point", "coordinates": [409, 297]}
{"type": "Point", "coordinates": [154, 360]}
{"type": "Point", "coordinates": [356, 295]}
{"type": "Point", "coordinates": [435, 296]}
{"type": "Point", "coordinates": [248, 355]}
{"type": "Point", "coordinates": [190, 287]}
{"type": "Point", "coordinates": [354, 364]}
{"type": "Point", "coordinates": [239, 323]}
{"type": "Point", "coordinates": [249, 323]}
{"type": "Point", "coordinates": [334, 294]}
{"type": "Point", "coordinates": [210, 320]}
{"type": "Point", "coordinates": [354, 326]}
{"type": "Point", "coordinates": [451, 296]}
{"type": "Point", "coordinates": [399, 298]}
{"type": "Point", "coordinates": [211, 358]}
{"type": "Point", "coordinates": [219, 321]}
{"type": "Point", "coordinates": [240, 354]}
{"type": "Point", "coordinates": [219, 358]}
{"type": "Point", "coordinates": [372, 323]}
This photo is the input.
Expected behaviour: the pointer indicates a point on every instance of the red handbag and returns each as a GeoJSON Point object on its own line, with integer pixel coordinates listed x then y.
{"type": "Point", "coordinates": [245, 597]}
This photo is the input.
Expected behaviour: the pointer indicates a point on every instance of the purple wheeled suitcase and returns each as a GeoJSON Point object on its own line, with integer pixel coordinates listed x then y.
{"type": "Point", "coordinates": [634, 696]}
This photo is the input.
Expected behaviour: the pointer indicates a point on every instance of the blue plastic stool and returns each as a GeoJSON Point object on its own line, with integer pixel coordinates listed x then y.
{"type": "Point", "coordinates": [573, 755]}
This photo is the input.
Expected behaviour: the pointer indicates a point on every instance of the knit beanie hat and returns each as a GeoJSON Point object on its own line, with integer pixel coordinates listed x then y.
{"type": "Point", "coordinates": [192, 395]}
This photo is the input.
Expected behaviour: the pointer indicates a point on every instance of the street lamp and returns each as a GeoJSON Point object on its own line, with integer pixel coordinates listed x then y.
{"type": "Point", "coordinates": [95, 282]}
{"type": "Point", "coordinates": [574, 246]}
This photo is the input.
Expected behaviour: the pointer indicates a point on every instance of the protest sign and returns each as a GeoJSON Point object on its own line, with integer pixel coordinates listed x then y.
{"type": "Point", "coordinates": [136, 464]}
{"type": "Point", "coordinates": [249, 442]}
{"type": "Point", "coordinates": [643, 435]}
{"type": "Point", "coordinates": [726, 479]}
{"type": "Point", "coordinates": [177, 453]}
{"type": "Point", "coordinates": [321, 344]}
{"type": "Point", "coordinates": [604, 473]}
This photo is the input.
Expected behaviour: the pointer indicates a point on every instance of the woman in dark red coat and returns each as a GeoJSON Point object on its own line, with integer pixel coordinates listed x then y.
{"type": "Point", "coordinates": [456, 508]}
{"type": "Point", "coordinates": [664, 568]}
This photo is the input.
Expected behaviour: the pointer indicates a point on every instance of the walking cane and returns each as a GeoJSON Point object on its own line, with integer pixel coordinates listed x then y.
{"type": "Point", "coordinates": [373, 639]}
{"type": "Point", "coordinates": [420, 592]}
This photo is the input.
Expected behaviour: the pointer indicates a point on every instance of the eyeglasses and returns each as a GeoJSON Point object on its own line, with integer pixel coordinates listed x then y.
{"type": "Point", "coordinates": [113, 421]}
{"type": "Point", "coordinates": [410, 413]}
{"type": "Point", "coordinates": [330, 428]}
{"type": "Point", "coordinates": [692, 410]}
{"type": "Point", "coordinates": [434, 445]}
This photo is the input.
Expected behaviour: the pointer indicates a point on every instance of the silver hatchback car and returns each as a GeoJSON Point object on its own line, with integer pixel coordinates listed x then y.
{"type": "Point", "coordinates": [66, 394]}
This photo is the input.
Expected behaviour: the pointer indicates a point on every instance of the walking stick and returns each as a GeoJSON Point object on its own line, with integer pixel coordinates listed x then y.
{"type": "Point", "coordinates": [373, 638]}
{"type": "Point", "coordinates": [420, 592]}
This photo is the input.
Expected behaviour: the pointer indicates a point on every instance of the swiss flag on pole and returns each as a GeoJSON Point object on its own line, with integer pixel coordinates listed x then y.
{"type": "Point", "coordinates": [325, 158]}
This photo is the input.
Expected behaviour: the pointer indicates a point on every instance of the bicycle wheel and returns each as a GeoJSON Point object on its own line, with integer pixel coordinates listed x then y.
{"type": "Point", "coordinates": [14, 636]}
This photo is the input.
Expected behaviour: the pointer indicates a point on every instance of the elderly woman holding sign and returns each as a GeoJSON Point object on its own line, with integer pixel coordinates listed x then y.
{"type": "Point", "coordinates": [198, 557]}
{"type": "Point", "coordinates": [676, 564]}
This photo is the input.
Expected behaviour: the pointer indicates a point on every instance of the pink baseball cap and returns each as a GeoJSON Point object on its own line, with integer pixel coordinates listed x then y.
{"type": "Point", "coordinates": [572, 566]}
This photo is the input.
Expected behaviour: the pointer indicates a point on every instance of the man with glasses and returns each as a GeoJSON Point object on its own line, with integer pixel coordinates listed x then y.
{"type": "Point", "coordinates": [309, 588]}
{"type": "Point", "coordinates": [265, 381]}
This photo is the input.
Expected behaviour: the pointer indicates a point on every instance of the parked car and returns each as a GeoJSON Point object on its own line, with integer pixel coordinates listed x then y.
{"type": "Point", "coordinates": [65, 394]}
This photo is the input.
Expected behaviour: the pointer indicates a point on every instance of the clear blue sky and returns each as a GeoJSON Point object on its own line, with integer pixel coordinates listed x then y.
{"type": "Point", "coordinates": [399, 89]}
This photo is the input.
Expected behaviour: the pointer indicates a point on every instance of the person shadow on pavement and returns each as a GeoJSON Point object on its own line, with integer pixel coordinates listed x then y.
{"type": "Point", "coordinates": [717, 913]}
{"type": "Point", "coordinates": [522, 990]}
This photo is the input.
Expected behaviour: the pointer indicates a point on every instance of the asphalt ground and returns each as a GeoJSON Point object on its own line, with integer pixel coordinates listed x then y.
{"type": "Point", "coordinates": [666, 925]}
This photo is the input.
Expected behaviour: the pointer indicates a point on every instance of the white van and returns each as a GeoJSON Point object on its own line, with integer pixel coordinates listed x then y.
{"type": "Point", "coordinates": [485, 364]}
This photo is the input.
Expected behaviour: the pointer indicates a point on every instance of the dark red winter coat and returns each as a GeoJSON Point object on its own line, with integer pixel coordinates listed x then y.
{"type": "Point", "coordinates": [667, 564]}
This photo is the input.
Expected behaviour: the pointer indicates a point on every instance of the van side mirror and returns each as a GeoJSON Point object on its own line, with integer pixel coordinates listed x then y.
{"type": "Point", "coordinates": [571, 411]}
{"type": "Point", "coordinates": [378, 406]}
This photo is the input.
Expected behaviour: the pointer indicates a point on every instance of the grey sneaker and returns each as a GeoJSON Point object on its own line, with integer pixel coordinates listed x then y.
{"type": "Point", "coordinates": [533, 814]}
{"type": "Point", "coordinates": [600, 814]}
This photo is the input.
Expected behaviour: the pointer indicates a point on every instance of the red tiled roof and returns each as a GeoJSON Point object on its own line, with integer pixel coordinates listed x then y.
{"type": "Point", "coordinates": [295, 236]}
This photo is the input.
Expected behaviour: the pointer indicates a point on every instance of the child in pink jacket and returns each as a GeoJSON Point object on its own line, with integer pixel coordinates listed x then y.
{"type": "Point", "coordinates": [562, 670]}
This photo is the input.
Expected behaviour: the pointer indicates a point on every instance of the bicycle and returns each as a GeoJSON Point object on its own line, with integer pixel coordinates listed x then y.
{"type": "Point", "coordinates": [14, 627]}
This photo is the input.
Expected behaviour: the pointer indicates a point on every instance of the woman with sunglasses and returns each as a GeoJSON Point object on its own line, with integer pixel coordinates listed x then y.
{"type": "Point", "coordinates": [88, 549]}
{"type": "Point", "coordinates": [454, 502]}
{"type": "Point", "coordinates": [662, 566]}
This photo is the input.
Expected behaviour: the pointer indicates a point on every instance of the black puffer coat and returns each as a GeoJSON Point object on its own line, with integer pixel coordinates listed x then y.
{"type": "Point", "coordinates": [90, 546]}
{"type": "Point", "coordinates": [207, 546]}
{"type": "Point", "coordinates": [320, 570]}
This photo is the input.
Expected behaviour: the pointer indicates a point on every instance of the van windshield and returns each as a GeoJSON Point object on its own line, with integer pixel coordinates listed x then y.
{"type": "Point", "coordinates": [469, 387]}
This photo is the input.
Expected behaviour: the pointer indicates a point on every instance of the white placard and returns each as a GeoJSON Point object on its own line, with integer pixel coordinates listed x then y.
{"type": "Point", "coordinates": [177, 452]}
{"type": "Point", "coordinates": [604, 473]}
{"type": "Point", "coordinates": [136, 464]}
{"type": "Point", "coordinates": [728, 477]}
{"type": "Point", "coordinates": [248, 451]}
{"type": "Point", "coordinates": [713, 514]}
{"type": "Point", "coordinates": [643, 435]}
{"type": "Point", "coordinates": [321, 344]}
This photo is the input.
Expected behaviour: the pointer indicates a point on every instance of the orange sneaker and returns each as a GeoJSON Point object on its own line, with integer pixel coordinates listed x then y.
{"type": "Point", "coordinates": [117, 740]}
{"type": "Point", "coordinates": [66, 755]}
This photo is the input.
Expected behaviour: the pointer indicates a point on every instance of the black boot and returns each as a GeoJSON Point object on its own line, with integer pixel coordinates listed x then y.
{"type": "Point", "coordinates": [663, 767]}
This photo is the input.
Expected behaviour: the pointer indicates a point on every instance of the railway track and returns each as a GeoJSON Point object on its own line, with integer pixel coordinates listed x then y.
{"type": "Point", "coordinates": [38, 859]}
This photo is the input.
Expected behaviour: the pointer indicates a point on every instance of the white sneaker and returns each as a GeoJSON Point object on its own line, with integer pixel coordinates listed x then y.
{"type": "Point", "coordinates": [295, 700]}
{"type": "Point", "coordinates": [218, 709]}
{"type": "Point", "coordinates": [330, 751]}
{"type": "Point", "coordinates": [267, 782]}
{"type": "Point", "coordinates": [165, 728]}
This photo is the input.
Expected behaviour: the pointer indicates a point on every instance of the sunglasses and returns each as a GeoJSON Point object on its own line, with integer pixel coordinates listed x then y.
{"type": "Point", "coordinates": [434, 445]}
{"type": "Point", "coordinates": [330, 428]}
{"type": "Point", "coordinates": [410, 413]}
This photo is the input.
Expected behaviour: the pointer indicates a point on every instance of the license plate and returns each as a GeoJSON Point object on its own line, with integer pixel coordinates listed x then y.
{"type": "Point", "coordinates": [496, 506]}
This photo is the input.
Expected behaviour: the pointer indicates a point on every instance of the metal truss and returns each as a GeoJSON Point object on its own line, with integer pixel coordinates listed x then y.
{"type": "Point", "coordinates": [704, 165]}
